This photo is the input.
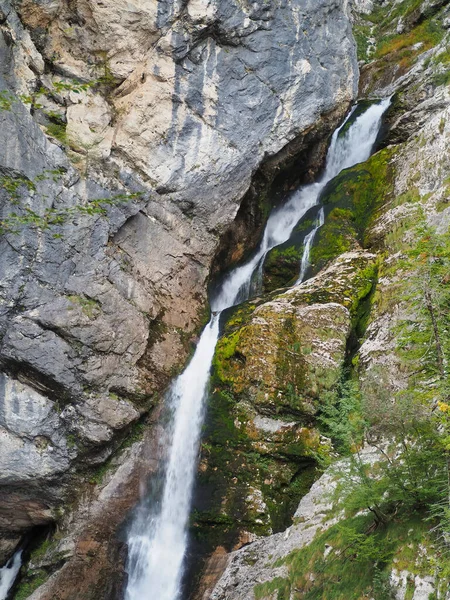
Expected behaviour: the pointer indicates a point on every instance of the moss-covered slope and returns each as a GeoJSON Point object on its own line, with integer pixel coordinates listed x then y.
{"type": "Point", "coordinates": [274, 361]}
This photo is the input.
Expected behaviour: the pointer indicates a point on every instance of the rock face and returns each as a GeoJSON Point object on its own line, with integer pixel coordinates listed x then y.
{"type": "Point", "coordinates": [193, 77]}
{"type": "Point", "coordinates": [392, 205]}
{"type": "Point", "coordinates": [129, 136]}
{"type": "Point", "coordinates": [276, 361]}
{"type": "Point", "coordinates": [250, 568]}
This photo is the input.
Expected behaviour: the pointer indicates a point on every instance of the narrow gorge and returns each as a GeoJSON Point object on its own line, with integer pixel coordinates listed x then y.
{"type": "Point", "coordinates": [224, 302]}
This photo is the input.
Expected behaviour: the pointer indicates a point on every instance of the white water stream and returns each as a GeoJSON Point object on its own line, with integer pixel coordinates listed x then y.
{"type": "Point", "coordinates": [8, 574]}
{"type": "Point", "coordinates": [158, 537]}
{"type": "Point", "coordinates": [307, 244]}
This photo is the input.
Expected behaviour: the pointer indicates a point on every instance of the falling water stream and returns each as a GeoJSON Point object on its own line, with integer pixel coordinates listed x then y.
{"type": "Point", "coordinates": [308, 242]}
{"type": "Point", "coordinates": [157, 539]}
{"type": "Point", "coordinates": [8, 574]}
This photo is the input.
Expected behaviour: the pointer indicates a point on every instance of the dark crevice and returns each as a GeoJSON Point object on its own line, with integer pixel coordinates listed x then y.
{"type": "Point", "coordinates": [298, 163]}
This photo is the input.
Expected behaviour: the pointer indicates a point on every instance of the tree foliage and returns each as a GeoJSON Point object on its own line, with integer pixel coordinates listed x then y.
{"type": "Point", "coordinates": [410, 426]}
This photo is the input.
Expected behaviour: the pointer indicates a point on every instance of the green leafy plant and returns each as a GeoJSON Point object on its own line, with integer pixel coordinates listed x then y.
{"type": "Point", "coordinates": [6, 100]}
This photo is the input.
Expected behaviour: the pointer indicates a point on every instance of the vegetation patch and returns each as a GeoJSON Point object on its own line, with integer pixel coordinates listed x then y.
{"type": "Point", "coordinates": [397, 512]}
{"type": "Point", "coordinates": [58, 131]}
{"type": "Point", "coordinates": [422, 31]}
{"type": "Point", "coordinates": [428, 34]}
{"type": "Point", "coordinates": [18, 214]}
{"type": "Point", "coordinates": [282, 266]}
{"type": "Point", "coordinates": [353, 200]}
{"type": "Point", "coordinates": [30, 583]}
{"type": "Point", "coordinates": [349, 562]}
{"type": "Point", "coordinates": [90, 307]}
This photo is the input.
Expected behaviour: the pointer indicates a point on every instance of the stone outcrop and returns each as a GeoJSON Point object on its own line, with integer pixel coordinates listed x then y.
{"type": "Point", "coordinates": [277, 359]}
{"type": "Point", "coordinates": [128, 138]}
{"type": "Point", "coordinates": [297, 339]}
{"type": "Point", "coordinates": [189, 78]}
{"type": "Point", "coordinates": [262, 561]}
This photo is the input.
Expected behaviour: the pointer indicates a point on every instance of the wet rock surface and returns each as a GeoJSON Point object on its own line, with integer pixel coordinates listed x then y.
{"type": "Point", "coordinates": [275, 361]}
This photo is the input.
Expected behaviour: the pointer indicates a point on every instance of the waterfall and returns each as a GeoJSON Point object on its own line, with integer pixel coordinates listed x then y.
{"type": "Point", "coordinates": [307, 246]}
{"type": "Point", "coordinates": [158, 536]}
{"type": "Point", "coordinates": [352, 147]}
{"type": "Point", "coordinates": [8, 574]}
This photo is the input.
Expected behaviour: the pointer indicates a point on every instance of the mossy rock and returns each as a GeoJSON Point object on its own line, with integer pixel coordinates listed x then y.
{"type": "Point", "coordinates": [352, 201]}
{"type": "Point", "coordinates": [282, 266]}
{"type": "Point", "coordinates": [283, 359]}
{"type": "Point", "coordinates": [282, 354]}
{"type": "Point", "coordinates": [275, 359]}
{"type": "Point", "coordinates": [250, 479]}
{"type": "Point", "coordinates": [29, 583]}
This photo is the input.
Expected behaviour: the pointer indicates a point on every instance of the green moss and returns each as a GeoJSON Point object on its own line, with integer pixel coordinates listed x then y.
{"type": "Point", "coordinates": [282, 266]}
{"type": "Point", "coordinates": [99, 472]}
{"type": "Point", "coordinates": [14, 185]}
{"type": "Point", "coordinates": [279, 585]}
{"type": "Point", "coordinates": [235, 466]}
{"type": "Point", "coordinates": [410, 197]}
{"type": "Point", "coordinates": [71, 441]}
{"type": "Point", "coordinates": [42, 549]}
{"type": "Point", "coordinates": [442, 78]}
{"type": "Point", "coordinates": [443, 204]}
{"type": "Point", "coordinates": [91, 308]}
{"type": "Point", "coordinates": [28, 585]}
{"type": "Point", "coordinates": [291, 371]}
{"type": "Point", "coordinates": [364, 299]}
{"type": "Point", "coordinates": [237, 316]}
{"type": "Point", "coordinates": [335, 237]}
{"type": "Point", "coordinates": [226, 360]}
{"type": "Point", "coordinates": [135, 434]}
{"type": "Point", "coordinates": [6, 100]}
{"type": "Point", "coordinates": [354, 197]}
{"type": "Point", "coordinates": [361, 33]}
{"type": "Point", "coordinates": [410, 589]}
{"type": "Point", "coordinates": [387, 16]}
{"type": "Point", "coordinates": [283, 502]}
{"type": "Point", "coordinates": [304, 225]}
{"type": "Point", "coordinates": [443, 58]}
{"type": "Point", "coordinates": [241, 465]}
{"type": "Point", "coordinates": [58, 131]}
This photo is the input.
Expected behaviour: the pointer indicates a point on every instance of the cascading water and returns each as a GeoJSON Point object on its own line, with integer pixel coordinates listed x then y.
{"type": "Point", "coordinates": [8, 574]}
{"type": "Point", "coordinates": [309, 239]}
{"type": "Point", "coordinates": [345, 150]}
{"type": "Point", "coordinates": [158, 538]}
